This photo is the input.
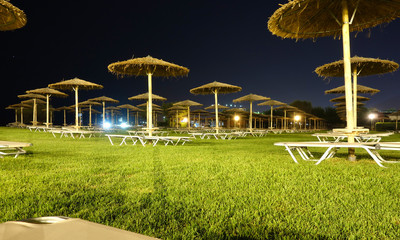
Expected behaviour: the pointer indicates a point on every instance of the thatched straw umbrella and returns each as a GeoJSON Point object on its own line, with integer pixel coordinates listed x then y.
{"type": "Point", "coordinates": [103, 100]}
{"type": "Point", "coordinates": [34, 97]}
{"type": "Point", "coordinates": [146, 96]}
{"type": "Point", "coordinates": [360, 66]}
{"type": "Point", "coordinates": [75, 84]}
{"type": "Point", "coordinates": [128, 107]}
{"type": "Point", "coordinates": [235, 111]}
{"type": "Point", "coordinates": [200, 111]}
{"type": "Point", "coordinates": [271, 103]}
{"type": "Point", "coordinates": [318, 18]}
{"type": "Point", "coordinates": [90, 104]}
{"type": "Point", "coordinates": [20, 106]}
{"type": "Point", "coordinates": [343, 99]}
{"type": "Point", "coordinates": [286, 108]}
{"type": "Point", "coordinates": [64, 108]}
{"type": "Point", "coordinates": [360, 89]}
{"type": "Point", "coordinates": [148, 66]}
{"type": "Point", "coordinates": [343, 104]}
{"type": "Point", "coordinates": [187, 104]}
{"type": "Point", "coordinates": [219, 107]}
{"type": "Point", "coordinates": [11, 17]}
{"type": "Point", "coordinates": [176, 109]}
{"type": "Point", "coordinates": [251, 98]}
{"type": "Point", "coordinates": [48, 92]}
{"type": "Point", "coordinates": [215, 88]}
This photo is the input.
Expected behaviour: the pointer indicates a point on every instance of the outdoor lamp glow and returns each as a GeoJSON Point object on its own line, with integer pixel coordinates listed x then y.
{"type": "Point", "coordinates": [236, 118]}
{"type": "Point", "coordinates": [372, 116]}
{"type": "Point", "coordinates": [184, 120]}
{"type": "Point", "coordinates": [297, 118]}
{"type": "Point", "coordinates": [106, 125]}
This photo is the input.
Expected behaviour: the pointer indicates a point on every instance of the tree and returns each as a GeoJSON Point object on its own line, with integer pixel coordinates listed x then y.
{"type": "Point", "coordinates": [306, 106]}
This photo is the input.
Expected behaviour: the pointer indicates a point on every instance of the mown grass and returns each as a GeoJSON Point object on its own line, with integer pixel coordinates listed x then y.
{"type": "Point", "coordinates": [207, 189]}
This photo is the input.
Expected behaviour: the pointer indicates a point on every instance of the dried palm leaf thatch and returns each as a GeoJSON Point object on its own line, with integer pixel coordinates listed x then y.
{"type": "Point", "coordinates": [199, 111]}
{"type": "Point", "coordinates": [145, 105]}
{"type": "Point", "coordinates": [319, 18]}
{"type": "Point", "coordinates": [64, 108]}
{"type": "Point", "coordinates": [104, 99]}
{"type": "Point", "coordinates": [89, 103]}
{"type": "Point", "coordinates": [32, 96]}
{"type": "Point", "coordinates": [210, 88]}
{"type": "Point", "coordinates": [236, 110]}
{"type": "Point", "coordinates": [219, 107]}
{"type": "Point", "coordinates": [343, 99]}
{"type": "Point", "coordinates": [176, 108]}
{"type": "Point", "coordinates": [287, 108]}
{"type": "Point", "coordinates": [48, 91]}
{"type": "Point", "coordinates": [11, 17]}
{"type": "Point", "coordinates": [360, 89]}
{"type": "Point", "coordinates": [342, 104]}
{"type": "Point", "coordinates": [271, 103]}
{"type": "Point", "coordinates": [145, 96]}
{"type": "Point", "coordinates": [73, 83]}
{"type": "Point", "coordinates": [112, 108]}
{"type": "Point", "coordinates": [187, 103]}
{"type": "Point", "coordinates": [31, 101]}
{"type": "Point", "coordinates": [130, 107]}
{"type": "Point", "coordinates": [250, 98]}
{"type": "Point", "coordinates": [18, 105]}
{"type": "Point", "coordinates": [364, 67]}
{"type": "Point", "coordinates": [147, 65]}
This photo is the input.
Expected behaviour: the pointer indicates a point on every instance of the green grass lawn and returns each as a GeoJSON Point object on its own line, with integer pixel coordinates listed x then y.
{"type": "Point", "coordinates": [207, 189]}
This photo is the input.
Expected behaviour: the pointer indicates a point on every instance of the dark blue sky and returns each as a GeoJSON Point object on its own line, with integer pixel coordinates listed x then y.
{"type": "Point", "coordinates": [226, 41]}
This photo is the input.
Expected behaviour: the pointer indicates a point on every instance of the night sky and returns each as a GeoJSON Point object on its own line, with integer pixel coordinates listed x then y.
{"type": "Point", "coordinates": [225, 41]}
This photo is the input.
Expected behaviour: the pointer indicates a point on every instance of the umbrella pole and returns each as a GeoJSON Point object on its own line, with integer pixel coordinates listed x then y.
{"type": "Point", "coordinates": [104, 112]}
{"type": "Point", "coordinates": [137, 118]}
{"type": "Point", "coordinates": [251, 117]}
{"type": "Point", "coordinates": [22, 116]}
{"type": "Point", "coordinates": [347, 77]}
{"type": "Point", "coordinates": [65, 118]}
{"type": "Point", "coordinates": [188, 117]}
{"type": "Point", "coordinates": [216, 110]}
{"type": "Point", "coordinates": [150, 109]}
{"type": "Point", "coordinates": [176, 120]}
{"type": "Point", "coordinates": [90, 115]}
{"type": "Point", "coordinates": [272, 107]}
{"type": "Point", "coordinates": [34, 118]}
{"type": "Point", "coordinates": [127, 116]}
{"type": "Point", "coordinates": [355, 95]}
{"type": "Point", "coordinates": [47, 110]}
{"type": "Point", "coordinates": [76, 107]}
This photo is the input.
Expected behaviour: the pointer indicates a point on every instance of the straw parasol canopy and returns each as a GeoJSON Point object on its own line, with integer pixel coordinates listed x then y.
{"type": "Point", "coordinates": [103, 100]}
{"type": "Point", "coordinates": [64, 108]}
{"type": "Point", "coordinates": [343, 104]}
{"type": "Point", "coordinates": [215, 88]}
{"type": "Point", "coordinates": [148, 66]}
{"type": "Point", "coordinates": [213, 107]}
{"type": "Point", "coordinates": [11, 17]}
{"type": "Point", "coordinates": [360, 89]}
{"type": "Point", "coordinates": [145, 96]}
{"type": "Point", "coordinates": [187, 104]}
{"type": "Point", "coordinates": [343, 99]}
{"type": "Point", "coordinates": [251, 98]}
{"type": "Point", "coordinates": [75, 84]}
{"type": "Point", "coordinates": [20, 106]}
{"type": "Point", "coordinates": [271, 103]}
{"type": "Point", "coordinates": [34, 97]}
{"type": "Point", "coordinates": [129, 107]}
{"type": "Point", "coordinates": [320, 18]}
{"type": "Point", "coordinates": [48, 92]}
{"type": "Point", "coordinates": [363, 67]}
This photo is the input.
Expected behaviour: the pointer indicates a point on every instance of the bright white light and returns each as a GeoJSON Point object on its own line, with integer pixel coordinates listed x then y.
{"type": "Point", "coordinates": [236, 118]}
{"type": "Point", "coordinates": [124, 125]}
{"type": "Point", "coordinates": [106, 125]}
{"type": "Point", "coordinates": [372, 116]}
{"type": "Point", "coordinates": [297, 118]}
{"type": "Point", "coordinates": [184, 120]}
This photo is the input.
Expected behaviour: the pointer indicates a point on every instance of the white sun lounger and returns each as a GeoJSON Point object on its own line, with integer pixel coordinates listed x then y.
{"type": "Point", "coordinates": [124, 137]}
{"type": "Point", "coordinates": [13, 148]}
{"type": "Point", "coordinates": [332, 147]}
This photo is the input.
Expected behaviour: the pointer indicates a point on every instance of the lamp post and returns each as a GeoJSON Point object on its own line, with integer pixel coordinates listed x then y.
{"type": "Point", "coordinates": [296, 119]}
{"type": "Point", "coordinates": [372, 116]}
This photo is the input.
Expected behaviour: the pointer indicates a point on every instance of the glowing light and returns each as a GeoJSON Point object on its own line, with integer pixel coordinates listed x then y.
{"type": "Point", "coordinates": [106, 125]}
{"type": "Point", "coordinates": [372, 116]}
{"type": "Point", "coordinates": [297, 118]}
{"type": "Point", "coordinates": [124, 125]}
{"type": "Point", "coordinates": [184, 120]}
{"type": "Point", "coordinates": [236, 118]}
